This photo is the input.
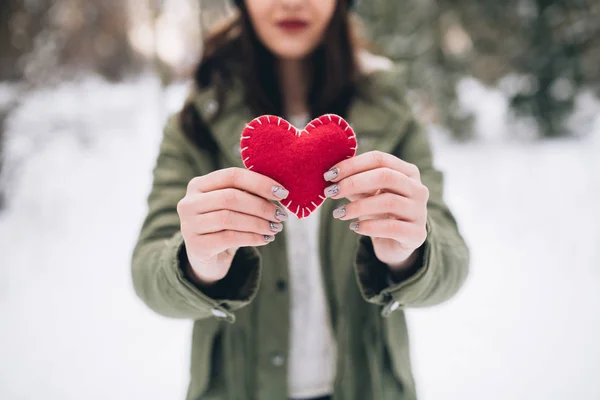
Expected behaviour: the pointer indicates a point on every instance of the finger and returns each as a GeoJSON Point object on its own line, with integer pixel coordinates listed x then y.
{"type": "Point", "coordinates": [368, 161]}
{"type": "Point", "coordinates": [387, 204]}
{"type": "Point", "coordinates": [238, 178]}
{"type": "Point", "coordinates": [407, 233]}
{"type": "Point", "coordinates": [218, 242]}
{"type": "Point", "coordinates": [230, 199]}
{"type": "Point", "coordinates": [373, 180]}
{"type": "Point", "coordinates": [231, 220]}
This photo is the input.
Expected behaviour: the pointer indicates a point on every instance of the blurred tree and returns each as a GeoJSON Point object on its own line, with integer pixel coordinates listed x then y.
{"type": "Point", "coordinates": [543, 53]}
{"type": "Point", "coordinates": [551, 48]}
{"type": "Point", "coordinates": [42, 39]}
{"type": "Point", "coordinates": [95, 36]}
{"type": "Point", "coordinates": [20, 23]}
{"type": "Point", "coordinates": [425, 38]}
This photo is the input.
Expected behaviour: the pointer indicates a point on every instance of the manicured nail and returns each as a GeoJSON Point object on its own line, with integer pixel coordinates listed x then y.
{"type": "Point", "coordinates": [280, 192]}
{"type": "Point", "coordinates": [332, 190]}
{"type": "Point", "coordinates": [331, 174]}
{"type": "Point", "coordinates": [275, 226]}
{"type": "Point", "coordinates": [354, 226]}
{"type": "Point", "coordinates": [269, 238]}
{"type": "Point", "coordinates": [280, 214]}
{"type": "Point", "coordinates": [339, 212]}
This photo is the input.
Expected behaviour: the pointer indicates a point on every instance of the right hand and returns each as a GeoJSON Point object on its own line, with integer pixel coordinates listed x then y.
{"type": "Point", "coordinates": [223, 211]}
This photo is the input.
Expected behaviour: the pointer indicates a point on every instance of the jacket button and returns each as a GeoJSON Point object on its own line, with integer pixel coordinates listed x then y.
{"type": "Point", "coordinates": [390, 307]}
{"type": "Point", "coordinates": [211, 107]}
{"type": "Point", "coordinates": [277, 359]}
{"type": "Point", "coordinates": [281, 285]}
{"type": "Point", "coordinates": [218, 313]}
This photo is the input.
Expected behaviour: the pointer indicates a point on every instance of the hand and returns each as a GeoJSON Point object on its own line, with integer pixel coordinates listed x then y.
{"type": "Point", "coordinates": [389, 201]}
{"type": "Point", "coordinates": [223, 211]}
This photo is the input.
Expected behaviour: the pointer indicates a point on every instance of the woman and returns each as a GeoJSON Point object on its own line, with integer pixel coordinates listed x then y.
{"type": "Point", "coordinates": [328, 320]}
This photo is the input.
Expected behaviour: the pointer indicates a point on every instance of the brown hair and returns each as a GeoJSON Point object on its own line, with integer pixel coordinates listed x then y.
{"type": "Point", "coordinates": [235, 50]}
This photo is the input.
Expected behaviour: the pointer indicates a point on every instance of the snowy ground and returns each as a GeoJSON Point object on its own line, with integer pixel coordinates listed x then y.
{"type": "Point", "coordinates": [526, 325]}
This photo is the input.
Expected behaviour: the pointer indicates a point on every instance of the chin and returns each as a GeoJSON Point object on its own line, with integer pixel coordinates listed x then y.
{"type": "Point", "coordinates": [291, 50]}
{"type": "Point", "coordinates": [292, 54]}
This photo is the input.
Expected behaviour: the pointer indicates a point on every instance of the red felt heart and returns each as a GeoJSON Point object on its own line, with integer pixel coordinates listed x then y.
{"type": "Point", "coordinates": [297, 159]}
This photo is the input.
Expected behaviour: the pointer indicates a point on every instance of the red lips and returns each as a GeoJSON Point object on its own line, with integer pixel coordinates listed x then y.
{"type": "Point", "coordinates": [292, 25]}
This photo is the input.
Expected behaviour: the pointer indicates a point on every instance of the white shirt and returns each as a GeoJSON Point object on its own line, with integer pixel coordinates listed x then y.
{"type": "Point", "coordinates": [312, 356]}
{"type": "Point", "coordinates": [313, 351]}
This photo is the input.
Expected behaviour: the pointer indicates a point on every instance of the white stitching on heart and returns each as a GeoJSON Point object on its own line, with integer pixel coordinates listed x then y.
{"type": "Point", "coordinates": [305, 210]}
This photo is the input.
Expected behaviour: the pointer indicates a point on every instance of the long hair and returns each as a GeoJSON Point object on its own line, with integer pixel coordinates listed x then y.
{"type": "Point", "coordinates": [235, 50]}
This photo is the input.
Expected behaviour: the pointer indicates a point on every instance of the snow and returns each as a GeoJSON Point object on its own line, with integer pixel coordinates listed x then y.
{"type": "Point", "coordinates": [71, 323]}
{"type": "Point", "coordinates": [79, 160]}
{"type": "Point", "coordinates": [526, 324]}
{"type": "Point", "coordinates": [8, 93]}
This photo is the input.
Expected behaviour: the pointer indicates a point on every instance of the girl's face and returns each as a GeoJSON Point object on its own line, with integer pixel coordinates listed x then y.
{"type": "Point", "coordinates": [290, 29]}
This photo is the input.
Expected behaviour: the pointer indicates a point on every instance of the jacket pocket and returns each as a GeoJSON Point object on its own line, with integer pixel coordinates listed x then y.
{"type": "Point", "coordinates": [206, 358]}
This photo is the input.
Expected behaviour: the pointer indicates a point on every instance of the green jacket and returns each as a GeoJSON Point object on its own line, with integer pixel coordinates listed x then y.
{"type": "Point", "coordinates": [240, 335]}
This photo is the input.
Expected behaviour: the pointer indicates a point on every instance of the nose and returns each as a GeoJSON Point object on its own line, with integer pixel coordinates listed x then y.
{"type": "Point", "coordinates": [292, 4]}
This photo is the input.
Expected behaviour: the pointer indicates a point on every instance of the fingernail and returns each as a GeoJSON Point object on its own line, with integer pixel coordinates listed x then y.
{"type": "Point", "coordinates": [354, 226]}
{"type": "Point", "coordinates": [331, 174]}
{"type": "Point", "coordinates": [275, 226]}
{"type": "Point", "coordinates": [339, 212]}
{"type": "Point", "coordinates": [280, 192]}
{"type": "Point", "coordinates": [332, 190]}
{"type": "Point", "coordinates": [280, 214]}
{"type": "Point", "coordinates": [269, 238]}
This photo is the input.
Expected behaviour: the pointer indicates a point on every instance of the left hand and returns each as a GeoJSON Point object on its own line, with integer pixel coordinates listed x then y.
{"type": "Point", "coordinates": [388, 199]}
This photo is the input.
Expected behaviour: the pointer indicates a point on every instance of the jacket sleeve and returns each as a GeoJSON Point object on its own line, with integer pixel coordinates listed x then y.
{"type": "Point", "coordinates": [159, 258]}
{"type": "Point", "coordinates": [443, 260]}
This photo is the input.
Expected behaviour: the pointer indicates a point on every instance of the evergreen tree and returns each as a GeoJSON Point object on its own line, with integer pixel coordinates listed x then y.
{"type": "Point", "coordinates": [550, 48]}
{"type": "Point", "coordinates": [413, 33]}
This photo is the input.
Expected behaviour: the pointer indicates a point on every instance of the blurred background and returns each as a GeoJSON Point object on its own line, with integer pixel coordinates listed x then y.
{"type": "Point", "coordinates": [509, 91]}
